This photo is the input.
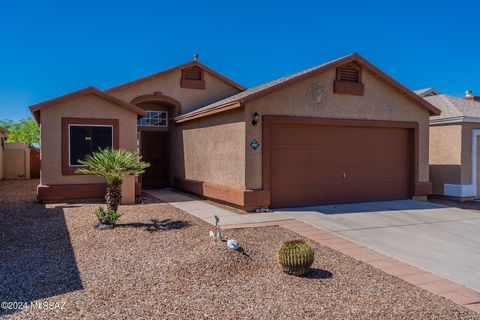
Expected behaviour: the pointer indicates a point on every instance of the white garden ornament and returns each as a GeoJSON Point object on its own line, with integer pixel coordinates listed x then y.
{"type": "Point", "coordinates": [233, 244]}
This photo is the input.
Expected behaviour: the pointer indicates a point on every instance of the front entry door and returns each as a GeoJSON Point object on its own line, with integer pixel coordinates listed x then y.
{"type": "Point", "coordinates": [155, 152]}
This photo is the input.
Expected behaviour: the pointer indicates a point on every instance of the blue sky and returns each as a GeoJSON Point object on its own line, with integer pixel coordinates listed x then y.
{"type": "Point", "coordinates": [49, 48]}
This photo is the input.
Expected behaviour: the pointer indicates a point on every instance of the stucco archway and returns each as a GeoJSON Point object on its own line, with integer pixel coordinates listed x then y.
{"type": "Point", "coordinates": [157, 96]}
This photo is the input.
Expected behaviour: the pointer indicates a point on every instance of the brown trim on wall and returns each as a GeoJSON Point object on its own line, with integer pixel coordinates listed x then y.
{"type": "Point", "coordinates": [237, 196]}
{"type": "Point", "coordinates": [417, 188]}
{"type": "Point", "coordinates": [157, 96]}
{"type": "Point", "coordinates": [66, 168]}
{"type": "Point", "coordinates": [423, 188]}
{"type": "Point", "coordinates": [57, 192]}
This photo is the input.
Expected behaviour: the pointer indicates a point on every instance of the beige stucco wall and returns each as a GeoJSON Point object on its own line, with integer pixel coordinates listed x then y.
{"type": "Point", "coordinates": [169, 85]}
{"type": "Point", "coordinates": [87, 106]}
{"type": "Point", "coordinates": [380, 102]}
{"type": "Point", "coordinates": [16, 161]}
{"type": "Point", "coordinates": [466, 148]}
{"type": "Point", "coordinates": [211, 149]}
{"type": "Point", "coordinates": [446, 155]}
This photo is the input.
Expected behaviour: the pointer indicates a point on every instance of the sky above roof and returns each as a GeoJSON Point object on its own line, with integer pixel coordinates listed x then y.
{"type": "Point", "coordinates": [49, 48]}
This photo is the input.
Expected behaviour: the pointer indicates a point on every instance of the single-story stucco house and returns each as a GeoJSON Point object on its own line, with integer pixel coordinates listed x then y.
{"type": "Point", "coordinates": [343, 131]}
{"type": "Point", "coordinates": [454, 167]}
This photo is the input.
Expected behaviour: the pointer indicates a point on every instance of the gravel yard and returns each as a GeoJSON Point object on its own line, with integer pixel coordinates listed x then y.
{"type": "Point", "coordinates": [160, 264]}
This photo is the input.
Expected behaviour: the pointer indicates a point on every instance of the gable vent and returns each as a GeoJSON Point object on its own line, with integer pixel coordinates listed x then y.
{"type": "Point", "coordinates": [349, 80]}
{"type": "Point", "coordinates": [349, 74]}
{"type": "Point", "coordinates": [192, 78]}
{"type": "Point", "coordinates": [192, 74]}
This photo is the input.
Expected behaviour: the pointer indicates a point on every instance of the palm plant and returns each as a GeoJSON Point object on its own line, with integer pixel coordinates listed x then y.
{"type": "Point", "coordinates": [113, 166]}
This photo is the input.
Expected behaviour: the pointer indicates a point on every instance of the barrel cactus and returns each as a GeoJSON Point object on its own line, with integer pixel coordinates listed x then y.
{"type": "Point", "coordinates": [295, 257]}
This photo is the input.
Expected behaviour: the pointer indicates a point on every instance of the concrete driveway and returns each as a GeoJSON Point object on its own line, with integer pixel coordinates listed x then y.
{"type": "Point", "coordinates": [441, 240]}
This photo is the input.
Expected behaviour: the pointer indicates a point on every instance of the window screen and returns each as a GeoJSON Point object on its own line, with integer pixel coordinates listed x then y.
{"type": "Point", "coordinates": [84, 139]}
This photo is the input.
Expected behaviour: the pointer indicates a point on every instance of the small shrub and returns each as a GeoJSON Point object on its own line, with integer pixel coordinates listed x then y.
{"type": "Point", "coordinates": [107, 217]}
{"type": "Point", "coordinates": [296, 257]}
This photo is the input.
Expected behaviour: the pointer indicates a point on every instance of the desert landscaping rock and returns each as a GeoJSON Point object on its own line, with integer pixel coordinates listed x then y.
{"type": "Point", "coordinates": [160, 263]}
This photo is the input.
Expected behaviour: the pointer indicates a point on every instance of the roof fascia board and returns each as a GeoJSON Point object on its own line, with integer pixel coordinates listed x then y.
{"type": "Point", "coordinates": [222, 108]}
{"type": "Point", "coordinates": [179, 67]}
{"type": "Point", "coordinates": [459, 119]}
{"type": "Point", "coordinates": [35, 109]}
{"type": "Point", "coordinates": [350, 58]}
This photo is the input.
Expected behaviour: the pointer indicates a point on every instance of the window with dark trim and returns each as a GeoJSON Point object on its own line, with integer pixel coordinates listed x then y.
{"type": "Point", "coordinates": [193, 78]}
{"type": "Point", "coordinates": [349, 80]}
{"type": "Point", "coordinates": [85, 139]}
{"type": "Point", "coordinates": [154, 119]}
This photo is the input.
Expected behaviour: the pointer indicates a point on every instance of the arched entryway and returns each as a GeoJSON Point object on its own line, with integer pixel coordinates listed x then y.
{"type": "Point", "coordinates": [154, 137]}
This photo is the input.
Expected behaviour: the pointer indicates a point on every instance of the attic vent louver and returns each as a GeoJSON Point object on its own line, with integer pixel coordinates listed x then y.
{"type": "Point", "coordinates": [349, 74]}
{"type": "Point", "coordinates": [192, 78]}
{"type": "Point", "coordinates": [349, 80]}
{"type": "Point", "coordinates": [192, 74]}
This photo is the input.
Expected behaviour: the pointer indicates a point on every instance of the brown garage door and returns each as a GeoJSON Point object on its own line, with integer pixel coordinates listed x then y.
{"type": "Point", "coordinates": [315, 164]}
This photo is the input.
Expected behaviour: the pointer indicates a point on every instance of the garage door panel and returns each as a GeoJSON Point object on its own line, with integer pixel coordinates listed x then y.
{"type": "Point", "coordinates": [389, 154]}
{"type": "Point", "coordinates": [314, 154]}
{"type": "Point", "coordinates": [378, 173]}
{"type": "Point", "coordinates": [380, 191]}
{"type": "Point", "coordinates": [311, 176]}
{"type": "Point", "coordinates": [287, 197]}
{"type": "Point", "coordinates": [314, 164]}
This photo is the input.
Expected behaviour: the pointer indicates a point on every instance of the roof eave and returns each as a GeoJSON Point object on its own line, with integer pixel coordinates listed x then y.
{"type": "Point", "coordinates": [36, 108]}
{"type": "Point", "coordinates": [457, 119]}
{"type": "Point", "coordinates": [434, 111]}
{"type": "Point", "coordinates": [195, 115]}
{"type": "Point", "coordinates": [179, 67]}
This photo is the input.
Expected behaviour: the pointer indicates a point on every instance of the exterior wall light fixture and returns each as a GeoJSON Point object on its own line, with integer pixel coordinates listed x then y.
{"type": "Point", "coordinates": [255, 118]}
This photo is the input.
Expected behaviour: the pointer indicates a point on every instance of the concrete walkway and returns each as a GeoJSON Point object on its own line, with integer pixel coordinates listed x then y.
{"type": "Point", "coordinates": [205, 211]}
{"type": "Point", "coordinates": [442, 240]}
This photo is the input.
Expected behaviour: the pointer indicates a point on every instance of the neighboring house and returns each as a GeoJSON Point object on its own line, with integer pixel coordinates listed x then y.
{"type": "Point", "coordinates": [343, 131]}
{"type": "Point", "coordinates": [427, 92]}
{"type": "Point", "coordinates": [454, 169]}
{"type": "Point", "coordinates": [3, 137]}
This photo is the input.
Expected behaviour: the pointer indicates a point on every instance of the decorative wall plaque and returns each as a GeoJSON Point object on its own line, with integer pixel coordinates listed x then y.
{"type": "Point", "coordinates": [317, 94]}
{"type": "Point", "coordinates": [254, 144]}
{"type": "Point", "coordinates": [391, 107]}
